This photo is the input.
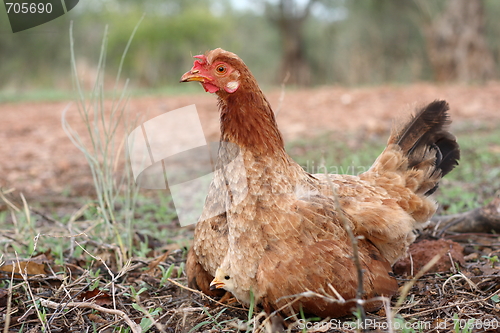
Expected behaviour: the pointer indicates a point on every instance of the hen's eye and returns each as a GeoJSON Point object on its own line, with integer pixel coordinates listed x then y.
{"type": "Point", "coordinates": [221, 69]}
{"type": "Point", "coordinates": [226, 277]}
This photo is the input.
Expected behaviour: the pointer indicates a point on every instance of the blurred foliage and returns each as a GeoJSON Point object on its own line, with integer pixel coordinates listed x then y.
{"type": "Point", "coordinates": [347, 42]}
{"type": "Point", "coordinates": [378, 41]}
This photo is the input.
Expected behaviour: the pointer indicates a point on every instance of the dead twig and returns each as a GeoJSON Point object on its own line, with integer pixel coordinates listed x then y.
{"type": "Point", "coordinates": [355, 255]}
{"type": "Point", "coordinates": [461, 276]}
{"type": "Point", "coordinates": [203, 295]}
{"type": "Point", "coordinates": [482, 219]}
{"type": "Point", "coordinates": [125, 268]}
{"type": "Point", "coordinates": [297, 297]}
{"type": "Point", "coordinates": [9, 304]}
{"type": "Point", "coordinates": [282, 94]}
{"type": "Point", "coordinates": [53, 305]}
{"type": "Point", "coordinates": [24, 275]}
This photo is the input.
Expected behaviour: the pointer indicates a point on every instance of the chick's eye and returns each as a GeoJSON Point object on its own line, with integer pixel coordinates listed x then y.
{"type": "Point", "coordinates": [221, 69]}
{"type": "Point", "coordinates": [226, 277]}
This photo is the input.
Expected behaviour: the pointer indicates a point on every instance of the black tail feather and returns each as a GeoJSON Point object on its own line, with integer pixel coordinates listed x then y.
{"type": "Point", "coordinates": [427, 136]}
{"type": "Point", "coordinates": [450, 154]}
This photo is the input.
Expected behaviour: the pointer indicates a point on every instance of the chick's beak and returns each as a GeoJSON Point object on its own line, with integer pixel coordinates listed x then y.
{"type": "Point", "coordinates": [194, 75]}
{"type": "Point", "coordinates": [216, 284]}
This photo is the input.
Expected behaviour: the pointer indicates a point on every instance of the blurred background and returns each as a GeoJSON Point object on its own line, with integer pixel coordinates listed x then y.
{"type": "Point", "coordinates": [317, 42]}
{"type": "Point", "coordinates": [352, 67]}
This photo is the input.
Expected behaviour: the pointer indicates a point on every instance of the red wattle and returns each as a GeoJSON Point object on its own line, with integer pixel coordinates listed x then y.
{"type": "Point", "coordinates": [210, 87]}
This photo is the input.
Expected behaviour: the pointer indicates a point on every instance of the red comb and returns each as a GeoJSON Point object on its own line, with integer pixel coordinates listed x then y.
{"type": "Point", "coordinates": [201, 57]}
{"type": "Point", "coordinates": [199, 64]}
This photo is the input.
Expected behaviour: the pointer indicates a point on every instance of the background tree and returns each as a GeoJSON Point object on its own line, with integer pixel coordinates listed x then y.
{"type": "Point", "coordinates": [456, 41]}
{"type": "Point", "coordinates": [318, 42]}
{"type": "Point", "coordinates": [289, 18]}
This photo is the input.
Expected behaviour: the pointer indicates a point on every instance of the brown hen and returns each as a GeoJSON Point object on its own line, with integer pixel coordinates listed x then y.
{"type": "Point", "coordinates": [282, 231]}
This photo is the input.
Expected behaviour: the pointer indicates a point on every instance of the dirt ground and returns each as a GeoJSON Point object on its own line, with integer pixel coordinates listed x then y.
{"type": "Point", "coordinates": [39, 160]}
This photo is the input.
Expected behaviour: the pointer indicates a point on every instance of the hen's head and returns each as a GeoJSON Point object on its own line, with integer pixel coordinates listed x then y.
{"type": "Point", "coordinates": [218, 71]}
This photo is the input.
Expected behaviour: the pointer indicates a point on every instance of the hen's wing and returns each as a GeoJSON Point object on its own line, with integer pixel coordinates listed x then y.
{"type": "Point", "coordinates": [392, 198]}
{"type": "Point", "coordinates": [380, 209]}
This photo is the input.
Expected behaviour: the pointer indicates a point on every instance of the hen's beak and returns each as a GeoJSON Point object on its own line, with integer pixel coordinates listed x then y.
{"type": "Point", "coordinates": [194, 75]}
{"type": "Point", "coordinates": [216, 284]}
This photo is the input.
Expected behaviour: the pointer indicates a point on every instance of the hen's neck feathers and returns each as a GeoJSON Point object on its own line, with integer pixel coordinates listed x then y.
{"type": "Point", "coordinates": [247, 119]}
